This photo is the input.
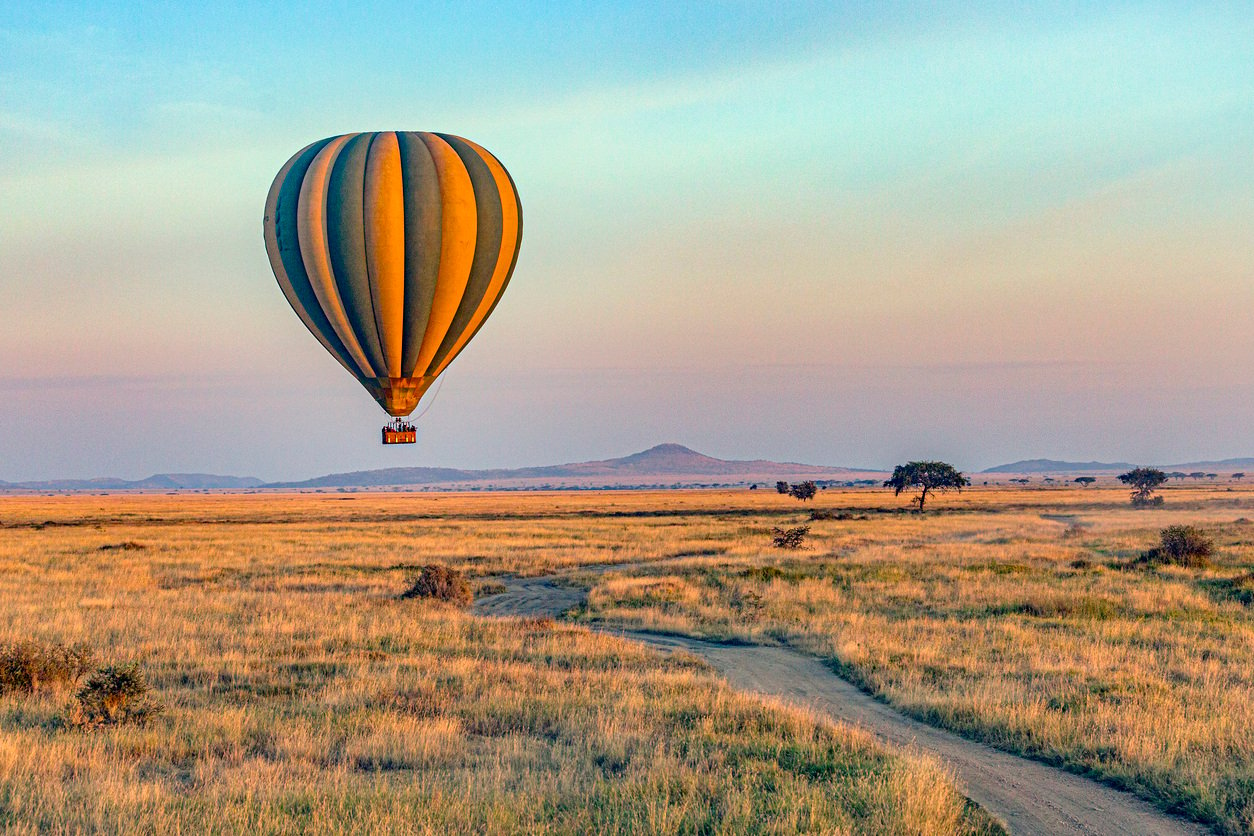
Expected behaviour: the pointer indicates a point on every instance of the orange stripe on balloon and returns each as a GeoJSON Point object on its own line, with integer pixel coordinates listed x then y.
{"type": "Point", "coordinates": [460, 227]}
{"type": "Point", "coordinates": [509, 242]}
{"type": "Point", "coordinates": [311, 226]}
{"type": "Point", "coordinates": [384, 217]}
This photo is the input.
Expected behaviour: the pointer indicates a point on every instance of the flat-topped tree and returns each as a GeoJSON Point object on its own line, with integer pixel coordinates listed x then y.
{"type": "Point", "coordinates": [803, 490]}
{"type": "Point", "coordinates": [1144, 481]}
{"type": "Point", "coordinates": [1084, 480]}
{"type": "Point", "coordinates": [925, 477]}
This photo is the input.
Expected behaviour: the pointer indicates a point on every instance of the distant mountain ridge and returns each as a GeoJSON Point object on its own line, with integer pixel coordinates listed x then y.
{"type": "Point", "coordinates": [158, 481]}
{"type": "Point", "coordinates": [1055, 466]}
{"type": "Point", "coordinates": [664, 464]}
{"type": "Point", "coordinates": [667, 461]}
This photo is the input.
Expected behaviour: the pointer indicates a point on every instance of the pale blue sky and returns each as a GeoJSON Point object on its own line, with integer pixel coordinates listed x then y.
{"type": "Point", "coordinates": [841, 233]}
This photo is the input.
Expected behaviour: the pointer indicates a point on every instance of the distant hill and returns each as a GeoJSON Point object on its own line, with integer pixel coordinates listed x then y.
{"type": "Point", "coordinates": [1221, 465]}
{"type": "Point", "coordinates": [159, 481]}
{"type": "Point", "coordinates": [665, 463]}
{"type": "Point", "coordinates": [387, 476]}
{"type": "Point", "coordinates": [1054, 466]}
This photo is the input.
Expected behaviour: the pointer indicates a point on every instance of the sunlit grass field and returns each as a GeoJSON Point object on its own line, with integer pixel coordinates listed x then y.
{"type": "Point", "coordinates": [1011, 616]}
{"type": "Point", "coordinates": [303, 695]}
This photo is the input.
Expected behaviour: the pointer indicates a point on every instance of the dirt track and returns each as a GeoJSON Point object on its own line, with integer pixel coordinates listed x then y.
{"type": "Point", "coordinates": [1029, 797]}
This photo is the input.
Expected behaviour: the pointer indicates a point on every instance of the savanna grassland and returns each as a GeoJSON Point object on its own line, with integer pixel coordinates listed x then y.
{"type": "Point", "coordinates": [298, 692]}
{"type": "Point", "coordinates": [1018, 617]}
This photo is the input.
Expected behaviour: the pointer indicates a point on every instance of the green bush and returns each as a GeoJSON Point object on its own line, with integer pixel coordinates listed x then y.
{"type": "Point", "coordinates": [1182, 545]}
{"type": "Point", "coordinates": [28, 666]}
{"type": "Point", "coordinates": [113, 695]}
{"type": "Point", "coordinates": [789, 538]}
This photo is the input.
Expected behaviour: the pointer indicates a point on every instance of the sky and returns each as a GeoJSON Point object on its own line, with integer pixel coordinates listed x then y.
{"type": "Point", "coordinates": [838, 233]}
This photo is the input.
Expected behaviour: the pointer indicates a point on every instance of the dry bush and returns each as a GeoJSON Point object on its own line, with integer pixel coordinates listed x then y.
{"type": "Point", "coordinates": [124, 546]}
{"type": "Point", "coordinates": [1182, 545]}
{"type": "Point", "coordinates": [789, 538]}
{"type": "Point", "coordinates": [113, 695]}
{"type": "Point", "coordinates": [28, 666]}
{"type": "Point", "coordinates": [440, 583]}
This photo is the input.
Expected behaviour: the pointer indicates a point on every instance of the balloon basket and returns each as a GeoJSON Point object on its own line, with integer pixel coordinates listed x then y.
{"type": "Point", "coordinates": [400, 432]}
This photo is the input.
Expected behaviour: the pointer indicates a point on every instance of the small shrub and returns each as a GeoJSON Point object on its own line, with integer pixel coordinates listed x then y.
{"type": "Point", "coordinates": [1187, 545]}
{"type": "Point", "coordinates": [26, 667]}
{"type": "Point", "coordinates": [1081, 563]}
{"type": "Point", "coordinates": [789, 538]}
{"type": "Point", "coordinates": [114, 695]}
{"type": "Point", "coordinates": [1182, 545]}
{"type": "Point", "coordinates": [440, 583]}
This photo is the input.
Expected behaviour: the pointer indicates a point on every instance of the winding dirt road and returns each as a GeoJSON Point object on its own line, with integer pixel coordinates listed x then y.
{"type": "Point", "coordinates": [1027, 796]}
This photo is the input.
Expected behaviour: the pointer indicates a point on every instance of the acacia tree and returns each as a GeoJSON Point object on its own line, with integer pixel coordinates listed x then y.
{"type": "Point", "coordinates": [1084, 480]}
{"type": "Point", "coordinates": [925, 477]}
{"type": "Point", "coordinates": [781, 487]}
{"type": "Point", "coordinates": [1144, 481]}
{"type": "Point", "coordinates": [803, 490]}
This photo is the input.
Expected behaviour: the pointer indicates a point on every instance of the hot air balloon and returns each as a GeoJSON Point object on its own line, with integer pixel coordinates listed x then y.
{"type": "Point", "coordinates": [393, 248]}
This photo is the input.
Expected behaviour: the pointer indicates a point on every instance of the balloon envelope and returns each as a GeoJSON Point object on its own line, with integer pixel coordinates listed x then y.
{"type": "Point", "coordinates": [393, 248]}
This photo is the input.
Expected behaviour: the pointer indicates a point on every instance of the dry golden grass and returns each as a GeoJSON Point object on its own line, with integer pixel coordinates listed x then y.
{"type": "Point", "coordinates": [1007, 615]}
{"type": "Point", "coordinates": [302, 694]}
